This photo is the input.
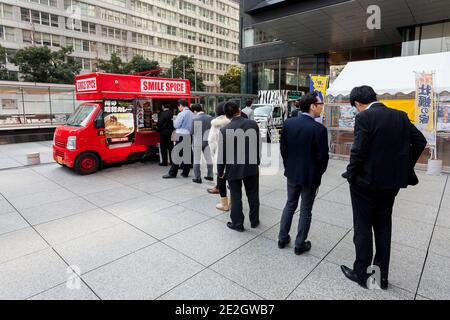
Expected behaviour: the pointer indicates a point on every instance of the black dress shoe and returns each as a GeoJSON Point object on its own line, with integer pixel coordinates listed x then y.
{"type": "Point", "coordinates": [236, 228]}
{"type": "Point", "coordinates": [254, 225]}
{"type": "Point", "coordinates": [163, 164]}
{"type": "Point", "coordinates": [209, 178]}
{"type": "Point", "coordinates": [304, 248]}
{"type": "Point", "coordinates": [351, 275]}
{"type": "Point", "coordinates": [168, 176]}
{"type": "Point", "coordinates": [197, 180]}
{"type": "Point", "coordinates": [282, 244]}
{"type": "Point", "coordinates": [185, 175]}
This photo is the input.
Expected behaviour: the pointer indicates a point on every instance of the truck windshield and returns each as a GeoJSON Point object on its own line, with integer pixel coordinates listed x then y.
{"type": "Point", "coordinates": [263, 111]}
{"type": "Point", "coordinates": [81, 116]}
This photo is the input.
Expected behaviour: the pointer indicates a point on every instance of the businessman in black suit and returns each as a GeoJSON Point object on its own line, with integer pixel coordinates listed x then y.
{"type": "Point", "coordinates": [385, 150]}
{"type": "Point", "coordinates": [238, 160]}
{"type": "Point", "coordinates": [165, 129]}
{"type": "Point", "coordinates": [304, 148]}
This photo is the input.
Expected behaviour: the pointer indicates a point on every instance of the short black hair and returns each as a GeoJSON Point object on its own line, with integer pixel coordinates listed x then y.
{"type": "Point", "coordinates": [183, 102]}
{"type": "Point", "coordinates": [307, 100]}
{"type": "Point", "coordinates": [248, 103]}
{"type": "Point", "coordinates": [196, 107]}
{"type": "Point", "coordinates": [231, 109]}
{"type": "Point", "coordinates": [219, 109]}
{"type": "Point", "coordinates": [363, 94]}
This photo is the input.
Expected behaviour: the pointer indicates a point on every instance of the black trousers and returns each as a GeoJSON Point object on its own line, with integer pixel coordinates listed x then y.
{"type": "Point", "coordinates": [251, 185]}
{"type": "Point", "coordinates": [166, 146]}
{"type": "Point", "coordinates": [372, 210]}
{"type": "Point", "coordinates": [173, 171]}
{"type": "Point", "coordinates": [222, 186]}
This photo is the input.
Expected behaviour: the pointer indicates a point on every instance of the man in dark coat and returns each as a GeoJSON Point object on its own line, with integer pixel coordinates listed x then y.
{"type": "Point", "coordinates": [165, 129]}
{"type": "Point", "coordinates": [385, 150]}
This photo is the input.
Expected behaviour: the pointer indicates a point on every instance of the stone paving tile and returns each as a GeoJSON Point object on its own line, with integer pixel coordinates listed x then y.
{"type": "Point", "coordinates": [205, 204]}
{"type": "Point", "coordinates": [209, 285]}
{"type": "Point", "coordinates": [435, 283]}
{"type": "Point", "coordinates": [62, 230]}
{"type": "Point", "coordinates": [405, 265]}
{"type": "Point", "coordinates": [339, 195]}
{"type": "Point", "coordinates": [6, 163]}
{"type": "Point", "coordinates": [197, 241]}
{"type": "Point", "coordinates": [440, 242]}
{"type": "Point", "coordinates": [415, 211]}
{"type": "Point", "coordinates": [109, 197]}
{"type": "Point", "coordinates": [21, 189]}
{"type": "Point", "coordinates": [328, 282]}
{"type": "Point", "coordinates": [264, 269]}
{"type": "Point", "coordinates": [167, 222]}
{"type": "Point", "coordinates": [146, 274]}
{"type": "Point", "coordinates": [20, 243]}
{"type": "Point", "coordinates": [443, 219]}
{"type": "Point", "coordinates": [11, 222]}
{"type": "Point", "coordinates": [268, 218]}
{"type": "Point", "coordinates": [333, 213]}
{"type": "Point", "coordinates": [63, 292]}
{"type": "Point", "coordinates": [411, 233]}
{"type": "Point", "coordinates": [157, 185]}
{"type": "Point", "coordinates": [323, 236]}
{"type": "Point", "coordinates": [40, 198]}
{"type": "Point", "coordinates": [276, 199]}
{"type": "Point", "coordinates": [56, 210]}
{"type": "Point", "coordinates": [31, 274]}
{"type": "Point", "coordinates": [138, 206]}
{"type": "Point", "coordinates": [5, 207]}
{"type": "Point", "coordinates": [103, 246]}
{"type": "Point", "coordinates": [182, 193]}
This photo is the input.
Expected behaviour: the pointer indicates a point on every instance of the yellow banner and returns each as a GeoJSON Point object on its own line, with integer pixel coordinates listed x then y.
{"type": "Point", "coordinates": [408, 106]}
{"type": "Point", "coordinates": [319, 84]}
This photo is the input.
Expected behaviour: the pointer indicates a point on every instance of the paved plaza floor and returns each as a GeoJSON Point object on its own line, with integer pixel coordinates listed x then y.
{"type": "Point", "coordinates": [131, 235]}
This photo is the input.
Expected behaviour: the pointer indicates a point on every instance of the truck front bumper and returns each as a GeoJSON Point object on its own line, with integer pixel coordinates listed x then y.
{"type": "Point", "coordinates": [64, 157]}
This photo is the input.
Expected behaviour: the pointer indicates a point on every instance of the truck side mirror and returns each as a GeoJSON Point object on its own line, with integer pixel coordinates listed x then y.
{"type": "Point", "coordinates": [99, 123]}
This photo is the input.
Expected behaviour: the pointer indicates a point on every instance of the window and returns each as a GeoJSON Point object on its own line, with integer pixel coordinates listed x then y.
{"type": "Point", "coordinates": [45, 18]}
{"type": "Point", "coordinates": [6, 11]}
{"type": "Point", "coordinates": [38, 17]}
{"type": "Point", "coordinates": [7, 33]}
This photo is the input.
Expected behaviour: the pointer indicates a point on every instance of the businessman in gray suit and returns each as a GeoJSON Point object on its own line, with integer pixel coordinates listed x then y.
{"type": "Point", "coordinates": [200, 130]}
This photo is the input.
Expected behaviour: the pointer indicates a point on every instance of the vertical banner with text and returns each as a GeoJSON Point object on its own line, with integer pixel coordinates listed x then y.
{"type": "Point", "coordinates": [425, 102]}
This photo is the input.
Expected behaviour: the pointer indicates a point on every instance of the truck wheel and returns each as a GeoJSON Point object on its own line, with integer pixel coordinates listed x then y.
{"type": "Point", "coordinates": [87, 163]}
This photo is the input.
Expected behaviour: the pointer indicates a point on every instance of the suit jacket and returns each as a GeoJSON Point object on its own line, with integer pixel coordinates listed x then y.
{"type": "Point", "coordinates": [304, 148]}
{"type": "Point", "coordinates": [239, 157]}
{"type": "Point", "coordinates": [203, 122]}
{"type": "Point", "coordinates": [385, 150]}
{"type": "Point", "coordinates": [165, 122]}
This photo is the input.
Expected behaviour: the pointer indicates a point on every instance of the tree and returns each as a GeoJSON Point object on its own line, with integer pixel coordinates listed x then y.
{"type": "Point", "coordinates": [139, 64]}
{"type": "Point", "coordinates": [3, 70]}
{"type": "Point", "coordinates": [40, 64]}
{"type": "Point", "coordinates": [230, 82]}
{"type": "Point", "coordinates": [183, 67]}
{"type": "Point", "coordinates": [114, 65]}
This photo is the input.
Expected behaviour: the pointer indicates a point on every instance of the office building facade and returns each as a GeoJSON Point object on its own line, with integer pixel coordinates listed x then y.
{"type": "Point", "coordinates": [159, 30]}
{"type": "Point", "coordinates": [284, 41]}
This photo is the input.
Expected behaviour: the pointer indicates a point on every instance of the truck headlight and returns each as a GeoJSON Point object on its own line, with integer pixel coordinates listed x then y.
{"type": "Point", "coordinates": [71, 143]}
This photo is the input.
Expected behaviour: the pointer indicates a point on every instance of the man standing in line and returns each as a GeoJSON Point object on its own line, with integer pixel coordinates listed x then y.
{"type": "Point", "coordinates": [296, 111]}
{"type": "Point", "coordinates": [200, 131]}
{"type": "Point", "coordinates": [165, 129]}
{"type": "Point", "coordinates": [183, 126]}
{"type": "Point", "coordinates": [248, 110]}
{"type": "Point", "coordinates": [385, 150]}
{"type": "Point", "coordinates": [238, 160]}
{"type": "Point", "coordinates": [304, 148]}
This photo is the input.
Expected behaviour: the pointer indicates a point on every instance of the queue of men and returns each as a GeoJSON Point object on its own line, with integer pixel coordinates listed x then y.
{"type": "Point", "coordinates": [385, 150]}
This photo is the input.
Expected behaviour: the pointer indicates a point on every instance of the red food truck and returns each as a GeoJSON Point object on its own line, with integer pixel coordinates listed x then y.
{"type": "Point", "coordinates": [118, 120]}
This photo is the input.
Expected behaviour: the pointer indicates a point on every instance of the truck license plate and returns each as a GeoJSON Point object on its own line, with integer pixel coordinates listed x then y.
{"type": "Point", "coordinates": [59, 160]}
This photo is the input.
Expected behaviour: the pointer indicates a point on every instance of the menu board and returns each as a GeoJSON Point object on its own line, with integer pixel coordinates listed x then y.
{"type": "Point", "coordinates": [119, 121]}
{"type": "Point", "coordinates": [340, 115]}
{"type": "Point", "coordinates": [144, 115]}
{"type": "Point", "coordinates": [443, 116]}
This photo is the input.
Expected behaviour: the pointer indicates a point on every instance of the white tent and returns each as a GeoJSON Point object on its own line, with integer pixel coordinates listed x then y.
{"type": "Point", "coordinates": [394, 75]}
